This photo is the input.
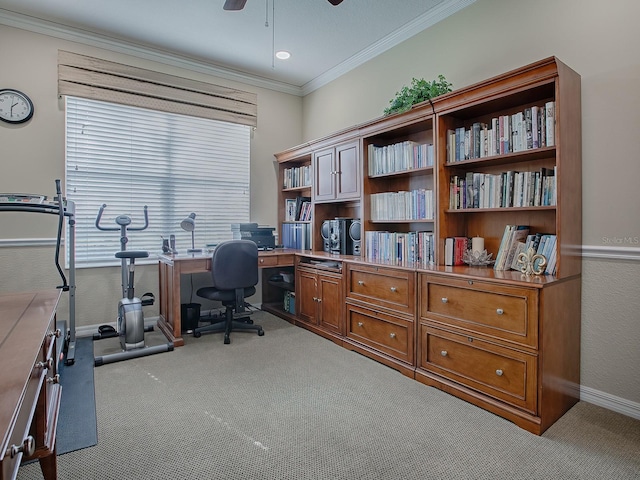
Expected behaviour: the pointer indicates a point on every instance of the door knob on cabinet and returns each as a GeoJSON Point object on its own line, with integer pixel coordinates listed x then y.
{"type": "Point", "coordinates": [499, 372]}
{"type": "Point", "coordinates": [445, 299]}
{"type": "Point", "coordinates": [394, 289]}
{"type": "Point", "coordinates": [55, 379]}
{"type": "Point", "coordinates": [28, 447]}
{"type": "Point", "coordinates": [360, 324]}
{"type": "Point", "coordinates": [392, 335]}
{"type": "Point", "coordinates": [499, 311]}
{"type": "Point", "coordinates": [444, 353]}
{"type": "Point", "coordinates": [360, 282]}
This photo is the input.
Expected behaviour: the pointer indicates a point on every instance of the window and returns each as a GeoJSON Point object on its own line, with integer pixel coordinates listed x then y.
{"type": "Point", "coordinates": [128, 157]}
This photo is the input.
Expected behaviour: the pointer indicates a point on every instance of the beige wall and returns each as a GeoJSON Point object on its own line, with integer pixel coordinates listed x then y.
{"type": "Point", "coordinates": [33, 157]}
{"type": "Point", "coordinates": [597, 39]}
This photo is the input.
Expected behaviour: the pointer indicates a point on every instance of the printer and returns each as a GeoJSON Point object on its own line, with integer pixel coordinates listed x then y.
{"type": "Point", "coordinates": [262, 236]}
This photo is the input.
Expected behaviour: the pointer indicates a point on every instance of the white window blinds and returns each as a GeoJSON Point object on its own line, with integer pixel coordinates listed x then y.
{"type": "Point", "coordinates": [128, 157]}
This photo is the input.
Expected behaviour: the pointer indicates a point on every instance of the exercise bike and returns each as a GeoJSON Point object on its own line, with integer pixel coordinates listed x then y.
{"type": "Point", "coordinates": [130, 322]}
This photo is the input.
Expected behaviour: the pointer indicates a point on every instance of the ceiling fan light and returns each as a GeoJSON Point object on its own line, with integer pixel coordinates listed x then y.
{"type": "Point", "coordinates": [283, 55]}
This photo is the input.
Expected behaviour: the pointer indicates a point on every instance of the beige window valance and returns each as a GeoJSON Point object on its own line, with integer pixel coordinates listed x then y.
{"type": "Point", "coordinates": [89, 77]}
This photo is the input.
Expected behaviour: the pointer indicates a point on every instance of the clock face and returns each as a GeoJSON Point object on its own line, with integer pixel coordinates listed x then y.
{"type": "Point", "coordinates": [15, 106]}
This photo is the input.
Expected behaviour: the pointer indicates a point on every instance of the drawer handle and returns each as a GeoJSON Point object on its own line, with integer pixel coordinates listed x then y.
{"type": "Point", "coordinates": [394, 289]}
{"type": "Point", "coordinates": [499, 372]}
{"type": "Point", "coordinates": [56, 333]}
{"type": "Point", "coordinates": [47, 364]}
{"type": "Point", "coordinates": [444, 353]}
{"type": "Point", "coordinates": [28, 447]}
{"type": "Point", "coordinates": [360, 324]}
{"type": "Point", "coordinates": [55, 379]}
{"type": "Point", "coordinates": [360, 282]}
{"type": "Point", "coordinates": [392, 335]}
{"type": "Point", "coordinates": [499, 311]}
{"type": "Point", "coordinates": [445, 299]}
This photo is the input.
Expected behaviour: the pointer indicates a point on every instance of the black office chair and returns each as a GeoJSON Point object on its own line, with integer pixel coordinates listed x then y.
{"type": "Point", "coordinates": [234, 270]}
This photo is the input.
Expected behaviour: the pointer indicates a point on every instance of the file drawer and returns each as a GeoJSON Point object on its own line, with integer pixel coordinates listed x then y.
{"type": "Point", "coordinates": [505, 374]}
{"type": "Point", "coordinates": [385, 333]}
{"type": "Point", "coordinates": [382, 286]}
{"type": "Point", "coordinates": [503, 312]}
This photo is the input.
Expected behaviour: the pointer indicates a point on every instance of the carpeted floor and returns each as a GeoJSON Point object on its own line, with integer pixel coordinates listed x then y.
{"type": "Point", "coordinates": [292, 405]}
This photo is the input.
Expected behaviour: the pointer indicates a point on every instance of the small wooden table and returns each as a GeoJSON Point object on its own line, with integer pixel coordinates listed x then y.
{"type": "Point", "coordinates": [172, 267]}
{"type": "Point", "coordinates": [29, 390]}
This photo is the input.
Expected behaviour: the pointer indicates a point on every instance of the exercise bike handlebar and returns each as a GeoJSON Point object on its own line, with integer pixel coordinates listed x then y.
{"type": "Point", "coordinates": [122, 221]}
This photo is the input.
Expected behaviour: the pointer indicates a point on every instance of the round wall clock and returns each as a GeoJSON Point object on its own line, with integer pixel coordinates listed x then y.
{"type": "Point", "coordinates": [15, 106]}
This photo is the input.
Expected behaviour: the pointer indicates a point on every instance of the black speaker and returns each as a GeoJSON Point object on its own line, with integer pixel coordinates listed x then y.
{"type": "Point", "coordinates": [344, 236]}
{"type": "Point", "coordinates": [355, 234]}
{"type": "Point", "coordinates": [325, 232]}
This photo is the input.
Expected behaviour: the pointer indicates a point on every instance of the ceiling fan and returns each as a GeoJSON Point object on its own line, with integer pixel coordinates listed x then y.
{"type": "Point", "coordinates": [239, 4]}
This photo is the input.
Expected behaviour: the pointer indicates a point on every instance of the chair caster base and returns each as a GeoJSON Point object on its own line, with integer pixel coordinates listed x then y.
{"type": "Point", "coordinates": [227, 341]}
{"type": "Point", "coordinates": [197, 334]}
{"type": "Point", "coordinates": [260, 333]}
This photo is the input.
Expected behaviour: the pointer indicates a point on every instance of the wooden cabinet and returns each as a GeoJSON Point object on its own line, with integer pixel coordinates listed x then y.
{"type": "Point", "coordinates": [380, 315]}
{"type": "Point", "coordinates": [273, 291]}
{"type": "Point", "coordinates": [320, 298]}
{"type": "Point", "coordinates": [337, 173]}
{"type": "Point", "coordinates": [502, 340]}
{"type": "Point", "coordinates": [295, 180]}
{"type": "Point", "coordinates": [31, 392]}
{"type": "Point", "coordinates": [510, 347]}
{"type": "Point", "coordinates": [521, 151]}
{"type": "Point", "coordinates": [399, 195]}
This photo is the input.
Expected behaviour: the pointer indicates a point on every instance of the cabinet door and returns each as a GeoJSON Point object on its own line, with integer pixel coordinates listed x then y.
{"type": "Point", "coordinates": [348, 171]}
{"type": "Point", "coordinates": [324, 175]}
{"type": "Point", "coordinates": [330, 303]}
{"type": "Point", "coordinates": [306, 296]}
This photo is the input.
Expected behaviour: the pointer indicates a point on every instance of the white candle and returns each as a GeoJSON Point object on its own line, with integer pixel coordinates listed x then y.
{"type": "Point", "coordinates": [477, 244]}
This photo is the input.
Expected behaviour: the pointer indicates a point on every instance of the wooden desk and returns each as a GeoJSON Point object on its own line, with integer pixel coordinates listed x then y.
{"type": "Point", "coordinates": [29, 389]}
{"type": "Point", "coordinates": [172, 267]}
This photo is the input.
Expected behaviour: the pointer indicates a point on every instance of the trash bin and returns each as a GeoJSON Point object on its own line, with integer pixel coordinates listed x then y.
{"type": "Point", "coordinates": [190, 316]}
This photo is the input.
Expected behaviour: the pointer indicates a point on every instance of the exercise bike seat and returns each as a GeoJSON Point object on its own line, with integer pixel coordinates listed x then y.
{"type": "Point", "coordinates": [132, 254]}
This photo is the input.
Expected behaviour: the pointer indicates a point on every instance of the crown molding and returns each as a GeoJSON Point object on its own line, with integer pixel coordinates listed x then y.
{"type": "Point", "coordinates": [417, 25]}
{"type": "Point", "coordinates": [52, 29]}
{"type": "Point", "coordinates": [85, 37]}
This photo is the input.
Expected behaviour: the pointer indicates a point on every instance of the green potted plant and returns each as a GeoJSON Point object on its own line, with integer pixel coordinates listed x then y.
{"type": "Point", "coordinates": [419, 91]}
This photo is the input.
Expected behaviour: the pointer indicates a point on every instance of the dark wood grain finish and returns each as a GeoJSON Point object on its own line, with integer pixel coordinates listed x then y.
{"type": "Point", "coordinates": [29, 393]}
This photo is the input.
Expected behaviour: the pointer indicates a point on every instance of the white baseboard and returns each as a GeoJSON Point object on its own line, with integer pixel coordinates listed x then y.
{"type": "Point", "coordinates": [610, 402]}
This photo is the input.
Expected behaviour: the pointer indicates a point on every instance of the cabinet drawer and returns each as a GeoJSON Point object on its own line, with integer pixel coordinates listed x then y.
{"type": "Point", "coordinates": [385, 333]}
{"type": "Point", "coordinates": [505, 374]}
{"type": "Point", "coordinates": [267, 261]}
{"type": "Point", "coordinates": [501, 311]}
{"type": "Point", "coordinates": [382, 286]}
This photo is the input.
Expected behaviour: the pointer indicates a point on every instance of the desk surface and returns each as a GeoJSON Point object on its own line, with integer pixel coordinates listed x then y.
{"type": "Point", "coordinates": [25, 319]}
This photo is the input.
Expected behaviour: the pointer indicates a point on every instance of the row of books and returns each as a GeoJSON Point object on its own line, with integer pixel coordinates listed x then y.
{"type": "Point", "coordinates": [296, 235]}
{"type": "Point", "coordinates": [516, 239]}
{"type": "Point", "coordinates": [506, 189]}
{"type": "Point", "coordinates": [399, 157]}
{"type": "Point", "coordinates": [454, 250]}
{"type": "Point", "coordinates": [298, 209]}
{"type": "Point", "coordinates": [403, 205]}
{"type": "Point", "coordinates": [297, 177]}
{"type": "Point", "coordinates": [398, 248]}
{"type": "Point", "coordinates": [533, 127]}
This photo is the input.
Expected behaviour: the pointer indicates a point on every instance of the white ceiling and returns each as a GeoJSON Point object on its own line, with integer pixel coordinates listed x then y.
{"type": "Point", "coordinates": [325, 41]}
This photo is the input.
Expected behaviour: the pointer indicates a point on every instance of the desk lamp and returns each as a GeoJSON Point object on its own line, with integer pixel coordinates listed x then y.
{"type": "Point", "coordinates": [189, 225]}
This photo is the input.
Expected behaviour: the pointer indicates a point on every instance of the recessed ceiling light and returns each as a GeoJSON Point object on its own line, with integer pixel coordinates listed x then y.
{"type": "Point", "coordinates": [283, 55]}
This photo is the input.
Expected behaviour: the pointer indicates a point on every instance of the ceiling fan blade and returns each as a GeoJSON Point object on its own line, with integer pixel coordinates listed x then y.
{"type": "Point", "coordinates": [335, 2]}
{"type": "Point", "coordinates": [235, 4]}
